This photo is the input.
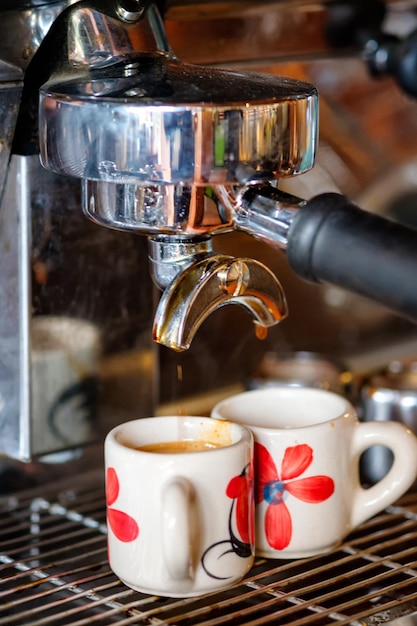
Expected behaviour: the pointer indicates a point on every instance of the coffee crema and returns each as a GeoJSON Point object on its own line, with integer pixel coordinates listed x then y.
{"type": "Point", "coordinates": [177, 447]}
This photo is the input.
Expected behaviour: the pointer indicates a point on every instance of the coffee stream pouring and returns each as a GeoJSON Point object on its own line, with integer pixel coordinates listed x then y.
{"type": "Point", "coordinates": [180, 153]}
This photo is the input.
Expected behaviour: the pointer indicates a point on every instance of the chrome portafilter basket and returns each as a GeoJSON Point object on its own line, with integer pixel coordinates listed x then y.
{"type": "Point", "coordinates": [150, 122]}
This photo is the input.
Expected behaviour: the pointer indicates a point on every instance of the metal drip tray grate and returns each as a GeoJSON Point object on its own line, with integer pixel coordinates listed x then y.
{"type": "Point", "coordinates": [54, 570]}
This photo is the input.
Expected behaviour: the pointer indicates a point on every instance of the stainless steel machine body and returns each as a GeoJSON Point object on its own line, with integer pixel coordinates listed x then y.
{"type": "Point", "coordinates": [49, 255]}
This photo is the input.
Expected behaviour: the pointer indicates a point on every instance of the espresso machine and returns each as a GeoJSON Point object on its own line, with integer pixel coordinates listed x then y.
{"type": "Point", "coordinates": [166, 155]}
{"type": "Point", "coordinates": [158, 162]}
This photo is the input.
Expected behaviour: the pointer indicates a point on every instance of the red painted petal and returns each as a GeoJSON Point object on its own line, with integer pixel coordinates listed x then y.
{"type": "Point", "coordinates": [278, 526]}
{"type": "Point", "coordinates": [240, 488]}
{"type": "Point", "coordinates": [265, 470]}
{"type": "Point", "coordinates": [243, 520]}
{"type": "Point", "coordinates": [112, 486]}
{"type": "Point", "coordinates": [296, 460]}
{"type": "Point", "coordinates": [124, 527]}
{"type": "Point", "coordinates": [312, 490]}
{"type": "Point", "coordinates": [237, 487]}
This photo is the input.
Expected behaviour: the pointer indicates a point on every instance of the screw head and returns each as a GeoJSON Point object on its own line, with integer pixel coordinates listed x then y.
{"type": "Point", "coordinates": [130, 10]}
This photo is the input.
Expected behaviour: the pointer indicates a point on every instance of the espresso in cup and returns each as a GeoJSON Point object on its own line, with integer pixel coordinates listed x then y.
{"type": "Point", "coordinates": [178, 447]}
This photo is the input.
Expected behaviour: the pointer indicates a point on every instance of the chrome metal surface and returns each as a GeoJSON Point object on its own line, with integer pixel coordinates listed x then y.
{"type": "Point", "coordinates": [49, 255]}
{"type": "Point", "coordinates": [10, 93]}
{"type": "Point", "coordinates": [95, 39]}
{"type": "Point", "coordinates": [168, 256]}
{"type": "Point", "coordinates": [15, 235]}
{"type": "Point", "coordinates": [54, 570]}
{"type": "Point", "coordinates": [241, 33]}
{"type": "Point", "coordinates": [210, 283]}
{"type": "Point", "coordinates": [130, 10]}
{"type": "Point", "coordinates": [176, 209]}
{"type": "Point", "coordinates": [302, 369]}
{"type": "Point", "coordinates": [267, 213]}
{"type": "Point", "coordinates": [388, 395]}
{"type": "Point", "coordinates": [23, 28]}
{"type": "Point", "coordinates": [154, 121]}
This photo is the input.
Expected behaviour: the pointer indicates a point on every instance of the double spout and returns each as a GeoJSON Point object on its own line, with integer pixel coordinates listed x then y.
{"type": "Point", "coordinates": [210, 283]}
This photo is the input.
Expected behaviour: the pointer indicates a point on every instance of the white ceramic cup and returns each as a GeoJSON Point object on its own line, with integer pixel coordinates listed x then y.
{"type": "Point", "coordinates": [65, 356]}
{"type": "Point", "coordinates": [180, 523]}
{"type": "Point", "coordinates": [308, 443]}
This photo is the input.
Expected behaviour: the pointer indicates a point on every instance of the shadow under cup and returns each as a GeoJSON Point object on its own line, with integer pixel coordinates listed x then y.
{"type": "Point", "coordinates": [308, 443]}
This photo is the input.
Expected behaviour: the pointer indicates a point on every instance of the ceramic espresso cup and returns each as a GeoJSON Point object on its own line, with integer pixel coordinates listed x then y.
{"type": "Point", "coordinates": [308, 443]}
{"type": "Point", "coordinates": [180, 504]}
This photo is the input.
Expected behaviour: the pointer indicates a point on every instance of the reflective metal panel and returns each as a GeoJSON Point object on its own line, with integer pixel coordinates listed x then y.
{"type": "Point", "coordinates": [155, 121]}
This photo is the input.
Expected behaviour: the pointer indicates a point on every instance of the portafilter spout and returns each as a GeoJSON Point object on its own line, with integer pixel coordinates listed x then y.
{"type": "Point", "coordinates": [153, 139]}
{"type": "Point", "coordinates": [210, 283]}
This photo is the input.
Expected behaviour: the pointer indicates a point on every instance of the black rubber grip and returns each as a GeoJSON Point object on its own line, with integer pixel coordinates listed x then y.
{"type": "Point", "coordinates": [331, 240]}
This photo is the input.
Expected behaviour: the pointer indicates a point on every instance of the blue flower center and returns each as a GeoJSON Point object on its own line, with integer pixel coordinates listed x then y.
{"type": "Point", "coordinates": [274, 492]}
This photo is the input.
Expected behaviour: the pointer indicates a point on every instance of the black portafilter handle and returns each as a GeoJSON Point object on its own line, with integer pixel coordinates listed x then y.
{"type": "Point", "coordinates": [331, 240]}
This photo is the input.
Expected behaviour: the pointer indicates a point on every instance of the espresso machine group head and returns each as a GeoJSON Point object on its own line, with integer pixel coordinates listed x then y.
{"type": "Point", "coordinates": [180, 152]}
{"type": "Point", "coordinates": [160, 146]}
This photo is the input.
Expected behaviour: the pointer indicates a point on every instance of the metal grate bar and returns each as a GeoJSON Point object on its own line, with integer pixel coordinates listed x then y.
{"type": "Point", "coordinates": [80, 594]}
{"type": "Point", "coordinates": [53, 570]}
{"type": "Point", "coordinates": [23, 563]}
{"type": "Point", "coordinates": [32, 571]}
{"type": "Point", "coordinates": [290, 597]}
{"type": "Point", "coordinates": [58, 582]}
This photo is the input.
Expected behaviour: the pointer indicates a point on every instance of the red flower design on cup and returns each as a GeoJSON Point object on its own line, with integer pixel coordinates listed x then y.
{"type": "Point", "coordinates": [240, 488]}
{"type": "Point", "coordinates": [241, 516]}
{"type": "Point", "coordinates": [274, 488]}
{"type": "Point", "coordinates": [123, 525]}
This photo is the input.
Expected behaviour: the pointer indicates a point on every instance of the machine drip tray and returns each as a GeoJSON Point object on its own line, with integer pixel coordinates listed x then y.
{"type": "Point", "coordinates": [54, 570]}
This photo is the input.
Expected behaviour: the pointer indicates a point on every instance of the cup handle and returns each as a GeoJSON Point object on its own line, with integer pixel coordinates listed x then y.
{"type": "Point", "coordinates": [176, 528]}
{"type": "Point", "coordinates": [403, 444]}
